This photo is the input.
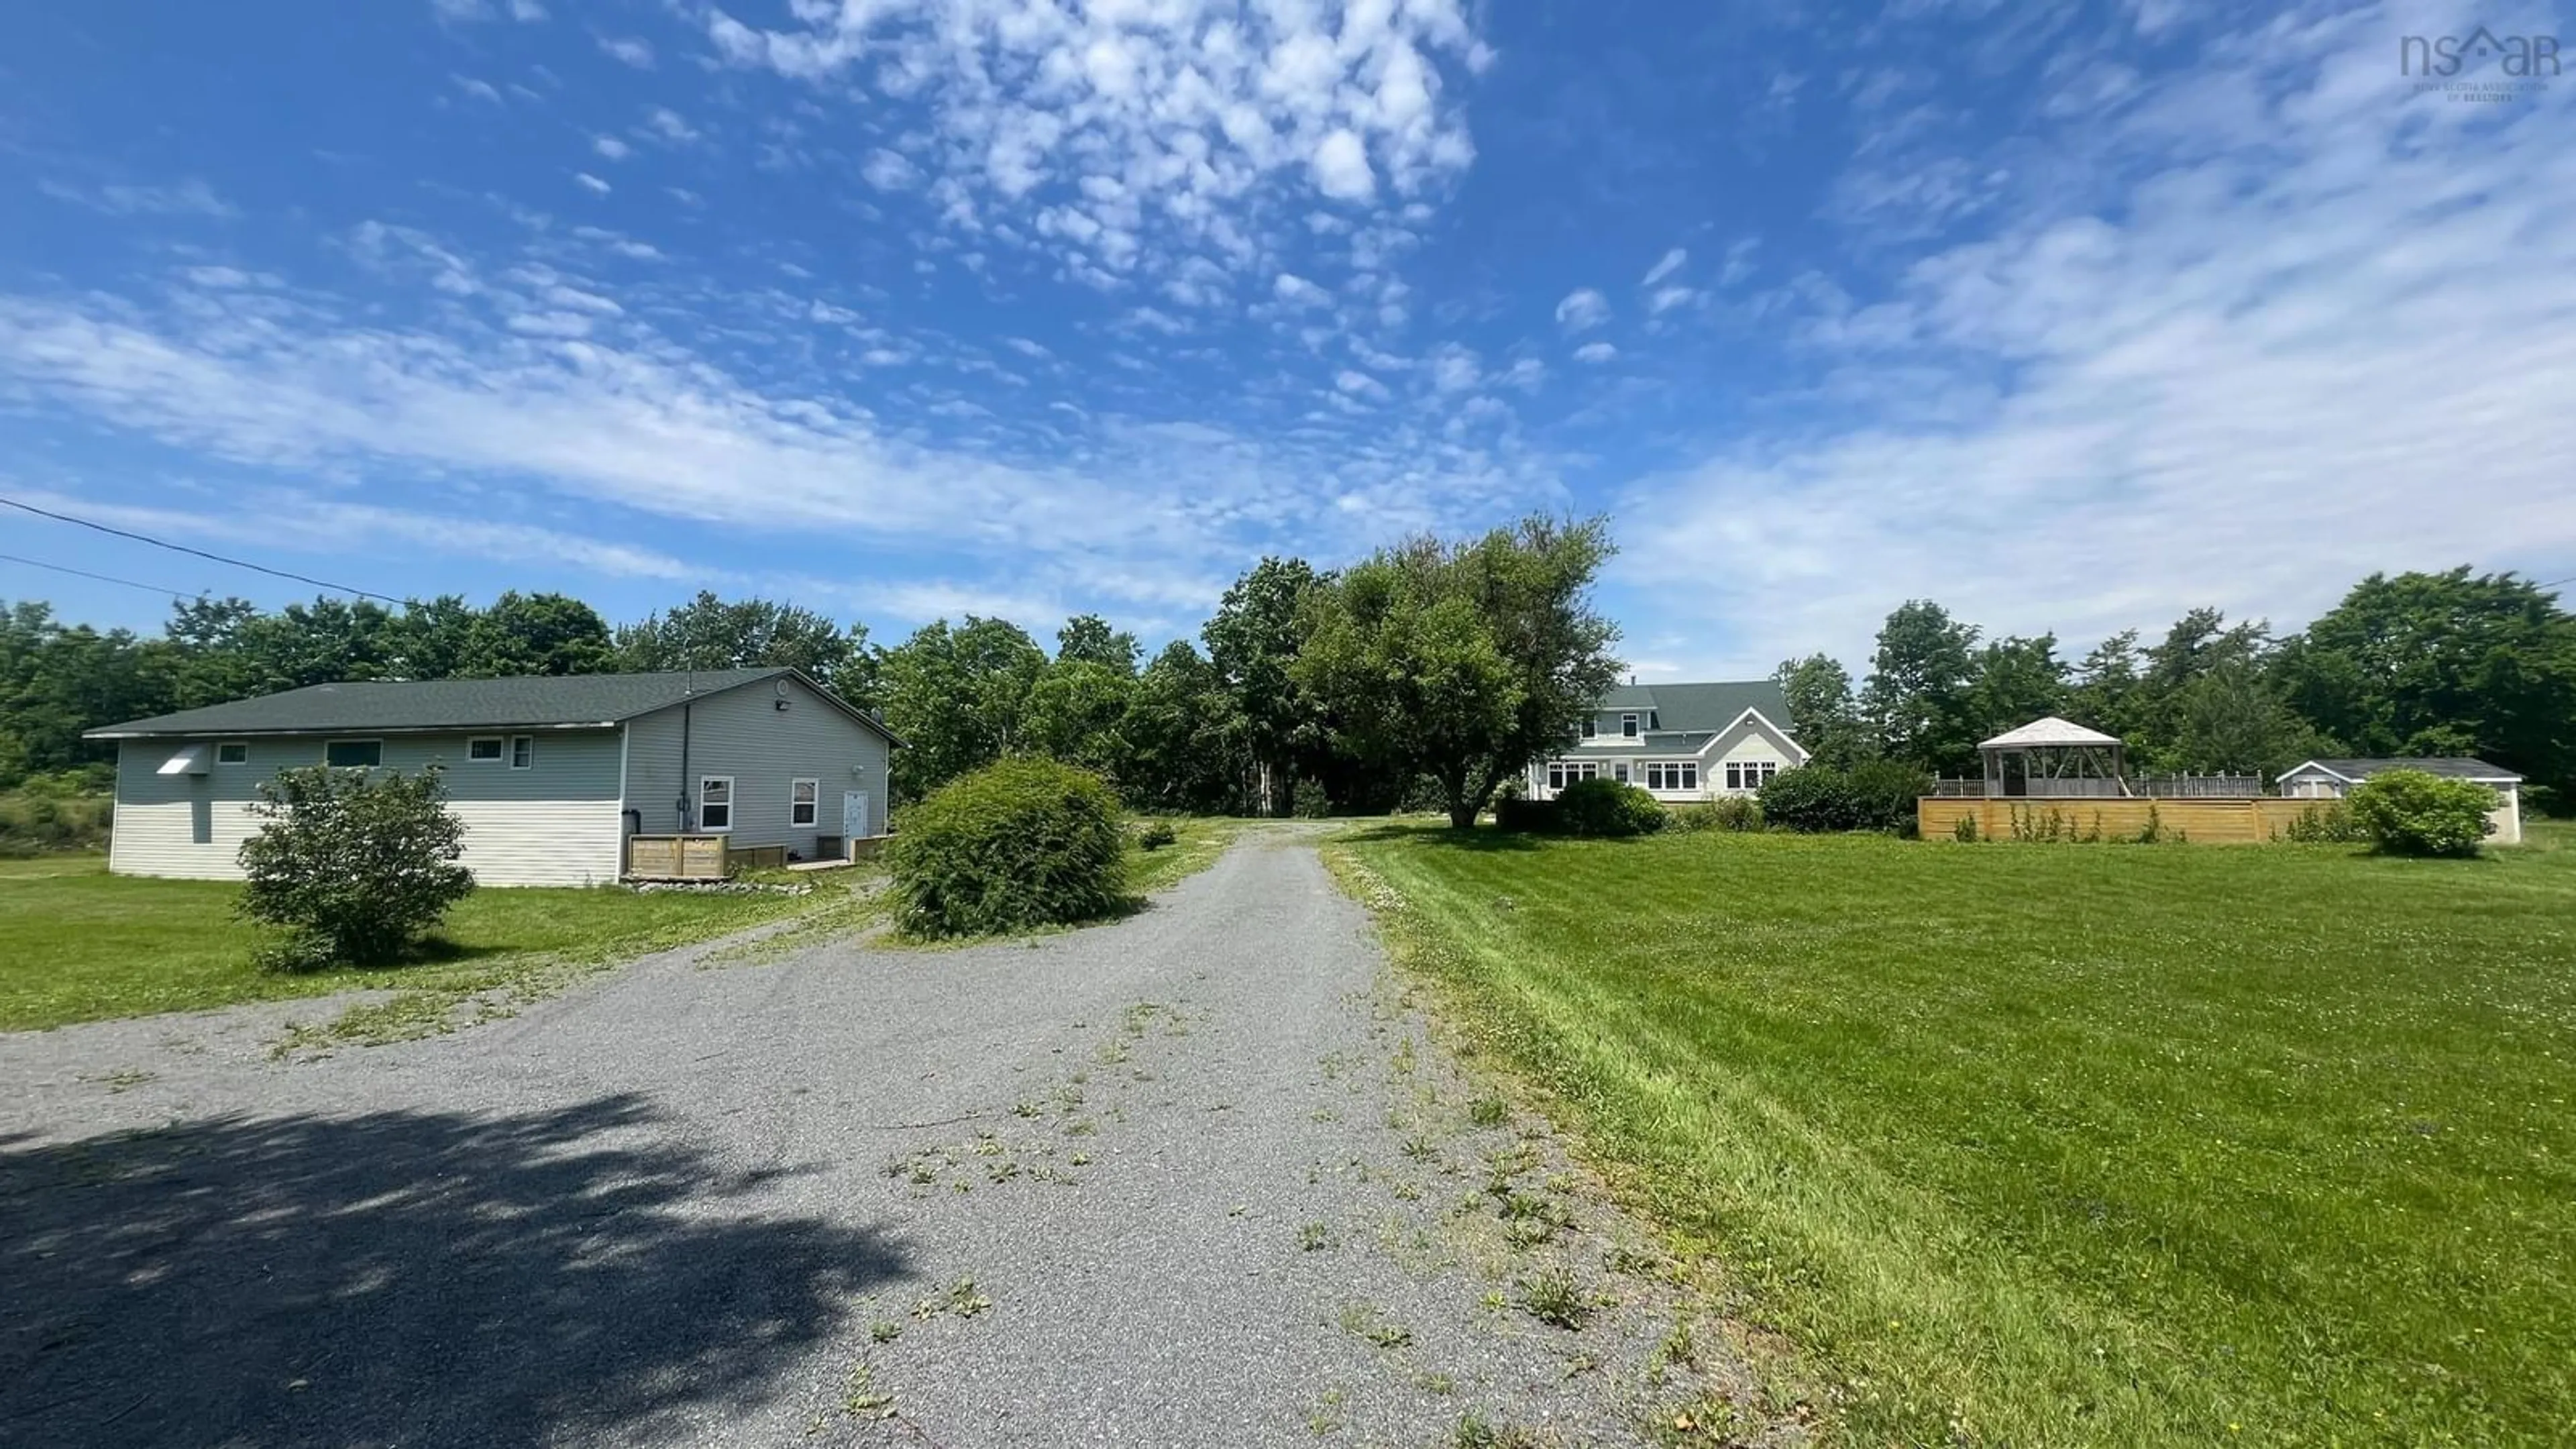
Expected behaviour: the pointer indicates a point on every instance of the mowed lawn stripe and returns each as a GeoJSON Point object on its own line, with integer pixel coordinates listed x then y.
{"type": "Point", "coordinates": [2071, 1144]}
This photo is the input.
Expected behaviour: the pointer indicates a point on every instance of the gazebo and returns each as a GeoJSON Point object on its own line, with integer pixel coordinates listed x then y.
{"type": "Point", "coordinates": [2053, 757]}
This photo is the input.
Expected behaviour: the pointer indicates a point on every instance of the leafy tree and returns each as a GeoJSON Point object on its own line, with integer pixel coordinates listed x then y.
{"type": "Point", "coordinates": [1078, 712]}
{"type": "Point", "coordinates": [958, 697]}
{"type": "Point", "coordinates": [710, 633]}
{"type": "Point", "coordinates": [1253, 640]}
{"type": "Point", "coordinates": [1088, 639]}
{"type": "Point", "coordinates": [1463, 662]}
{"type": "Point", "coordinates": [536, 634]}
{"type": "Point", "coordinates": [1822, 713]}
{"type": "Point", "coordinates": [2233, 719]}
{"type": "Point", "coordinates": [2106, 686]}
{"type": "Point", "coordinates": [2447, 663]}
{"type": "Point", "coordinates": [1916, 697]}
{"type": "Point", "coordinates": [2016, 681]}
{"type": "Point", "coordinates": [1187, 742]}
{"type": "Point", "coordinates": [355, 864]}
{"type": "Point", "coordinates": [435, 638]}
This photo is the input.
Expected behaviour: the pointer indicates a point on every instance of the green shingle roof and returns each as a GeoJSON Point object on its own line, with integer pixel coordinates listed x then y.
{"type": "Point", "coordinates": [527, 702]}
{"type": "Point", "coordinates": [1702, 707]}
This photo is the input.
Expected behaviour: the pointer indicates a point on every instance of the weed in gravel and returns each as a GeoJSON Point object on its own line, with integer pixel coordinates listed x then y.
{"type": "Point", "coordinates": [864, 1400]}
{"type": "Point", "coordinates": [1408, 1192]}
{"type": "Point", "coordinates": [1421, 1148]}
{"type": "Point", "coordinates": [1475, 1431]}
{"type": "Point", "coordinates": [1327, 1416]}
{"type": "Point", "coordinates": [1707, 1420]}
{"type": "Point", "coordinates": [1325, 1114]}
{"type": "Point", "coordinates": [1402, 1061]}
{"type": "Point", "coordinates": [1081, 1159]}
{"type": "Point", "coordinates": [1488, 1112]}
{"type": "Point", "coordinates": [1314, 1237]}
{"type": "Point", "coordinates": [961, 1300]}
{"type": "Point", "coordinates": [1024, 1108]}
{"type": "Point", "coordinates": [1362, 1320]}
{"type": "Point", "coordinates": [1080, 1127]}
{"type": "Point", "coordinates": [1002, 1171]}
{"type": "Point", "coordinates": [884, 1331]}
{"type": "Point", "coordinates": [1437, 1383]}
{"type": "Point", "coordinates": [1553, 1299]}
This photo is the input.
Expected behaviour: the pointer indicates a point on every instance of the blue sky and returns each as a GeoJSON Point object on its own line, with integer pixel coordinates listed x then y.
{"type": "Point", "coordinates": [2070, 317]}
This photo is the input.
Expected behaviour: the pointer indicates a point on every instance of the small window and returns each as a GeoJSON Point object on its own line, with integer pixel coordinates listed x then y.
{"type": "Point", "coordinates": [233, 752]}
{"type": "Point", "coordinates": [802, 796]}
{"type": "Point", "coordinates": [485, 750]}
{"type": "Point", "coordinates": [1620, 772]}
{"type": "Point", "coordinates": [715, 802]}
{"type": "Point", "coordinates": [523, 751]}
{"type": "Point", "coordinates": [1555, 775]}
{"type": "Point", "coordinates": [354, 754]}
{"type": "Point", "coordinates": [1628, 726]}
{"type": "Point", "coordinates": [1591, 726]}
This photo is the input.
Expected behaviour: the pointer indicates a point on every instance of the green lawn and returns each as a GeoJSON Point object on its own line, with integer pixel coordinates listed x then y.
{"type": "Point", "coordinates": [2047, 1145]}
{"type": "Point", "coordinates": [77, 944]}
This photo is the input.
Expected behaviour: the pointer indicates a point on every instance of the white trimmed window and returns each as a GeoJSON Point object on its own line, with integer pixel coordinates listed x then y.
{"type": "Point", "coordinates": [523, 751]}
{"type": "Point", "coordinates": [233, 752]}
{"type": "Point", "coordinates": [1628, 726]}
{"type": "Point", "coordinates": [1561, 773]}
{"type": "Point", "coordinates": [1591, 726]}
{"type": "Point", "coordinates": [1672, 774]}
{"type": "Point", "coordinates": [1750, 774]}
{"type": "Point", "coordinates": [354, 754]}
{"type": "Point", "coordinates": [803, 799]}
{"type": "Point", "coordinates": [484, 750]}
{"type": "Point", "coordinates": [715, 802]}
{"type": "Point", "coordinates": [1619, 772]}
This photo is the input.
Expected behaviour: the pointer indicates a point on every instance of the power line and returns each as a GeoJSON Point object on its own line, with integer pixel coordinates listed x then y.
{"type": "Point", "coordinates": [201, 553]}
{"type": "Point", "coordinates": [37, 563]}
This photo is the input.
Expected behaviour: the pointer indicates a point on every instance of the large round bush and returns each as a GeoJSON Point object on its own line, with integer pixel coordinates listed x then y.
{"type": "Point", "coordinates": [356, 865]}
{"type": "Point", "coordinates": [1872, 795]}
{"type": "Point", "coordinates": [2410, 812]}
{"type": "Point", "coordinates": [1607, 807]}
{"type": "Point", "coordinates": [1013, 846]}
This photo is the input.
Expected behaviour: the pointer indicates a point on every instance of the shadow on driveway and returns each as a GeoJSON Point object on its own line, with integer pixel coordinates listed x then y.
{"type": "Point", "coordinates": [404, 1277]}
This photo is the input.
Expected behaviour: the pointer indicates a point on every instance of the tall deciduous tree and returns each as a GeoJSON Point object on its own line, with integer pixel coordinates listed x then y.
{"type": "Point", "coordinates": [1253, 641]}
{"type": "Point", "coordinates": [1088, 639]}
{"type": "Point", "coordinates": [1462, 662]}
{"type": "Point", "coordinates": [2017, 680]}
{"type": "Point", "coordinates": [1916, 698]}
{"type": "Point", "coordinates": [536, 634]}
{"type": "Point", "coordinates": [1822, 712]}
{"type": "Point", "coordinates": [712, 633]}
{"type": "Point", "coordinates": [958, 697]}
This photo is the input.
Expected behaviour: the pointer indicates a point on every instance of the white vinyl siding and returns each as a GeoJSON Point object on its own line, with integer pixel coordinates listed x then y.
{"type": "Point", "coordinates": [555, 824]}
{"type": "Point", "coordinates": [743, 734]}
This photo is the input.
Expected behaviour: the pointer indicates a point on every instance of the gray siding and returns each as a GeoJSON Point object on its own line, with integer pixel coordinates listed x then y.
{"type": "Point", "coordinates": [743, 733]}
{"type": "Point", "coordinates": [554, 823]}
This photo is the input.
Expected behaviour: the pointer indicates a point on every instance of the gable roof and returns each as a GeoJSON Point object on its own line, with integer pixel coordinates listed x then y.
{"type": "Point", "coordinates": [1694, 708]}
{"type": "Point", "coordinates": [2456, 767]}
{"type": "Point", "coordinates": [524, 702]}
{"type": "Point", "coordinates": [2048, 730]}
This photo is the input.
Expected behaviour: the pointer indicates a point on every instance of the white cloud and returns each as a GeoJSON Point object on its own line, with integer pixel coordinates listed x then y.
{"type": "Point", "coordinates": [1671, 263]}
{"type": "Point", "coordinates": [887, 171]}
{"type": "Point", "coordinates": [1359, 384]}
{"type": "Point", "coordinates": [1298, 292]}
{"type": "Point", "coordinates": [628, 50]}
{"type": "Point", "coordinates": [1667, 298]}
{"type": "Point", "coordinates": [591, 184]}
{"type": "Point", "coordinates": [669, 125]}
{"type": "Point", "coordinates": [1342, 167]}
{"type": "Point", "coordinates": [470, 12]}
{"type": "Point", "coordinates": [611, 147]}
{"type": "Point", "coordinates": [188, 198]}
{"type": "Point", "coordinates": [1455, 369]}
{"type": "Point", "coordinates": [2214, 385]}
{"type": "Point", "coordinates": [1596, 353]}
{"type": "Point", "coordinates": [481, 90]}
{"type": "Point", "coordinates": [1582, 310]}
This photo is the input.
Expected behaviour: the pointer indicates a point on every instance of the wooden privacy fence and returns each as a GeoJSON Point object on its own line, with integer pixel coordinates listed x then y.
{"type": "Point", "coordinates": [2144, 787]}
{"type": "Point", "coordinates": [2211, 821]}
{"type": "Point", "coordinates": [696, 857]}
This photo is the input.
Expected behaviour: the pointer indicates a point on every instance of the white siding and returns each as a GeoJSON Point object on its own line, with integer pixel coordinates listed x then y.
{"type": "Point", "coordinates": [743, 733]}
{"type": "Point", "coordinates": [554, 823]}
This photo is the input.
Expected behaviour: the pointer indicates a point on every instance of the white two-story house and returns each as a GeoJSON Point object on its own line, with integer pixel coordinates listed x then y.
{"type": "Point", "coordinates": [1679, 741]}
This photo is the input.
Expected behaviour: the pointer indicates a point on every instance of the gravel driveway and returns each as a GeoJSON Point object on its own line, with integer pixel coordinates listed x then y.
{"type": "Point", "coordinates": [1197, 1178]}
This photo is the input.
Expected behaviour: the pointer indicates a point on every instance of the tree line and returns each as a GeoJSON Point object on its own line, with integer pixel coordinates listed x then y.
{"type": "Point", "coordinates": [1425, 676]}
{"type": "Point", "coordinates": [2414, 664]}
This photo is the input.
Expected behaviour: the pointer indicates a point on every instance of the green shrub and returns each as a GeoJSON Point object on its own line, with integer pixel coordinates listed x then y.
{"type": "Point", "coordinates": [1726, 812]}
{"type": "Point", "coordinates": [35, 819]}
{"type": "Point", "coordinates": [1872, 795]}
{"type": "Point", "coordinates": [1608, 808]}
{"type": "Point", "coordinates": [1011, 847]}
{"type": "Point", "coordinates": [356, 865]}
{"type": "Point", "coordinates": [1156, 834]}
{"type": "Point", "coordinates": [2326, 825]}
{"type": "Point", "coordinates": [1308, 801]}
{"type": "Point", "coordinates": [2408, 812]}
{"type": "Point", "coordinates": [1964, 829]}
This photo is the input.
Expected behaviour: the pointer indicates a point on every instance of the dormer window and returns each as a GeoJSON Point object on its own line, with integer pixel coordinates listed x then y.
{"type": "Point", "coordinates": [1591, 726]}
{"type": "Point", "coordinates": [1654, 719]}
{"type": "Point", "coordinates": [1628, 726]}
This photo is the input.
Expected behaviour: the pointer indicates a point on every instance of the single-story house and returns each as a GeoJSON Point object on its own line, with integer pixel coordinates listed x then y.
{"type": "Point", "coordinates": [2333, 779]}
{"type": "Point", "coordinates": [1679, 741]}
{"type": "Point", "coordinates": [550, 774]}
